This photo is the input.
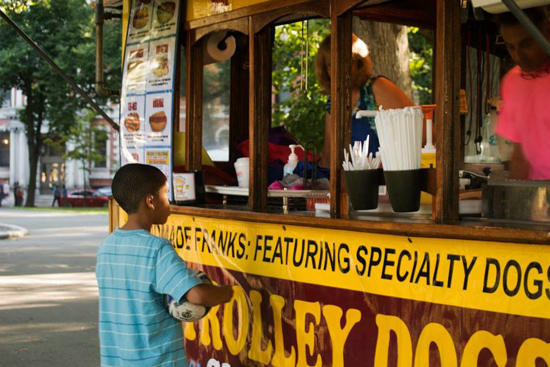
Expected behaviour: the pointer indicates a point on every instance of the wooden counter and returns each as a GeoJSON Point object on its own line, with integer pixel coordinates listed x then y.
{"type": "Point", "coordinates": [419, 227]}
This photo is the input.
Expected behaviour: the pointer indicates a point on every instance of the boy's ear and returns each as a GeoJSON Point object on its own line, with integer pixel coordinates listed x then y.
{"type": "Point", "coordinates": [149, 201]}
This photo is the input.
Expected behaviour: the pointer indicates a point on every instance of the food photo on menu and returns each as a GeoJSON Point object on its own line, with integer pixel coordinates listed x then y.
{"type": "Point", "coordinates": [158, 121]}
{"type": "Point", "coordinates": [141, 14]}
{"type": "Point", "coordinates": [160, 66]}
{"type": "Point", "coordinates": [132, 122]}
{"type": "Point", "coordinates": [158, 118]}
{"type": "Point", "coordinates": [130, 156]}
{"type": "Point", "coordinates": [136, 68]}
{"type": "Point", "coordinates": [165, 11]}
{"type": "Point", "coordinates": [160, 76]}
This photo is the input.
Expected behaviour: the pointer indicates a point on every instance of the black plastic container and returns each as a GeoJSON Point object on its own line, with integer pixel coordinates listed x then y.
{"type": "Point", "coordinates": [404, 189]}
{"type": "Point", "coordinates": [362, 187]}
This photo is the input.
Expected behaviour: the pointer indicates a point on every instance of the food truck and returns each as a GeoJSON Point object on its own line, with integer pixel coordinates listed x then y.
{"type": "Point", "coordinates": [439, 286]}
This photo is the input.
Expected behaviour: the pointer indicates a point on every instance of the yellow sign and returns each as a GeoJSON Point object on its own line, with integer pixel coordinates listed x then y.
{"type": "Point", "coordinates": [157, 157]}
{"type": "Point", "coordinates": [418, 292]}
{"type": "Point", "coordinates": [498, 277]}
{"type": "Point", "coordinates": [197, 9]}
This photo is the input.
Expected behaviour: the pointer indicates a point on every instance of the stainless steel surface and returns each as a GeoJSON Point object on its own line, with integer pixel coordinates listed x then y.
{"type": "Point", "coordinates": [243, 191]}
{"type": "Point", "coordinates": [517, 200]}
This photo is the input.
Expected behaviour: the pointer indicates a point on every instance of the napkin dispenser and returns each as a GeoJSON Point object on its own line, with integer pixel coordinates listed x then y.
{"type": "Point", "coordinates": [520, 200]}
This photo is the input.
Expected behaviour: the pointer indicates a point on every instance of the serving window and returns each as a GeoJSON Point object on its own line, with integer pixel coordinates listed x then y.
{"type": "Point", "coordinates": [270, 83]}
{"type": "Point", "coordinates": [285, 95]}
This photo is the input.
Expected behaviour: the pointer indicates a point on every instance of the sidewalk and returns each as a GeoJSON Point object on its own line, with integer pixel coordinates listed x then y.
{"type": "Point", "coordinates": [40, 201]}
{"type": "Point", "coordinates": [10, 231]}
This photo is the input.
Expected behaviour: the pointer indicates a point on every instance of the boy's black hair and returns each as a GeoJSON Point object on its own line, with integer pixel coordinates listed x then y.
{"type": "Point", "coordinates": [133, 182]}
{"type": "Point", "coordinates": [538, 15]}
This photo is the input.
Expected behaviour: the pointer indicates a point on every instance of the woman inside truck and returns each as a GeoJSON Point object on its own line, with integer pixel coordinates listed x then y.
{"type": "Point", "coordinates": [368, 92]}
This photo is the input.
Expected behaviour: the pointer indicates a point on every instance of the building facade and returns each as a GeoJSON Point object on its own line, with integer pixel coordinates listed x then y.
{"type": "Point", "coordinates": [53, 169]}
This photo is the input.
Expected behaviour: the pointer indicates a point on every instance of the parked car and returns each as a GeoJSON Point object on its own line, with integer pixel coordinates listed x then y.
{"type": "Point", "coordinates": [84, 198]}
{"type": "Point", "coordinates": [105, 190]}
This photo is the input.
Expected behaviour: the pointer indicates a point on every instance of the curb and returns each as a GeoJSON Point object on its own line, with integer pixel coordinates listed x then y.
{"type": "Point", "coordinates": [10, 231]}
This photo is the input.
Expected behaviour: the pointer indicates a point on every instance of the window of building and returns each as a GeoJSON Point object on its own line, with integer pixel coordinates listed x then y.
{"type": "Point", "coordinates": [101, 139]}
{"type": "Point", "coordinates": [4, 149]}
{"type": "Point", "coordinates": [5, 98]}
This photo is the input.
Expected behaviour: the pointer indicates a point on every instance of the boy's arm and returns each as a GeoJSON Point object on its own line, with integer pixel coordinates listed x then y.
{"type": "Point", "coordinates": [172, 275]}
{"type": "Point", "coordinates": [209, 295]}
{"type": "Point", "coordinates": [175, 279]}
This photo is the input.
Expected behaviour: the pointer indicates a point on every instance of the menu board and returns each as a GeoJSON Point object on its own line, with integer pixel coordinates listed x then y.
{"type": "Point", "coordinates": [147, 97]}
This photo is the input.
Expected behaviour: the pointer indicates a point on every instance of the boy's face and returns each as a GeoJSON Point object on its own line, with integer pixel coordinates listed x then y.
{"type": "Point", "coordinates": [162, 205]}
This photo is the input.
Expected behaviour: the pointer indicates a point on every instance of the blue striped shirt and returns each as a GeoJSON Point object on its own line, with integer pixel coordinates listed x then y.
{"type": "Point", "coordinates": [134, 270]}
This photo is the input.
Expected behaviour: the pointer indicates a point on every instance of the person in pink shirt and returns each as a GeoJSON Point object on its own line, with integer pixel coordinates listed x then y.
{"type": "Point", "coordinates": [524, 117]}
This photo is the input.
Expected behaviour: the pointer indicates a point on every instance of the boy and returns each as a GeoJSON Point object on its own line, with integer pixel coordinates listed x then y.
{"type": "Point", "coordinates": [135, 269]}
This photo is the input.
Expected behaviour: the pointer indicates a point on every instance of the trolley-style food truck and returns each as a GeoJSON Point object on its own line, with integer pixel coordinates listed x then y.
{"type": "Point", "coordinates": [336, 287]}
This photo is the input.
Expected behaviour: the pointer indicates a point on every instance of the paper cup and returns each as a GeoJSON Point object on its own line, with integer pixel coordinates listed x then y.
{"type": "Point", "coordinates": [242, 170]}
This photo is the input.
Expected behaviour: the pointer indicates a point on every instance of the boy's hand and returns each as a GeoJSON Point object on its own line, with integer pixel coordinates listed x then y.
{"type": "Point", "coordinates": [227, 292]}
{"type": "Point", "coordinates": [209, 295]}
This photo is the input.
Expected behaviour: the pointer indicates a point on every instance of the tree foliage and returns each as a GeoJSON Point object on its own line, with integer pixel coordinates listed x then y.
{"type": "Point", "coordinates": [298, 107]}
{"type": "Point", "coordinates": [301, 108]}
{"type": "Point", "coordinates": [16, 5]}
{"type": "Point", "coordinates": [65, 31]}
{"type": "Point", "coordinates": [420, 63]}
{"type": "Point", "coordinates": [82, 141]}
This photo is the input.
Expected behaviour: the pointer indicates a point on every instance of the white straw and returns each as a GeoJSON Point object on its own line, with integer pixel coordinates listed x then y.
{"type": "Point", "coordinates": [400, 135]}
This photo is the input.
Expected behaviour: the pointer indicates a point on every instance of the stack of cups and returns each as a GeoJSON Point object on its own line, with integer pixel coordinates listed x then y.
{"type": "Point", "coordinates": [242, 170]}
{"type": "Point", "coordinates": [400, 135]}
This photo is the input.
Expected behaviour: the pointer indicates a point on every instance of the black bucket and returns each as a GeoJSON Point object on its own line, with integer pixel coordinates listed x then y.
{"type": "Point", "coordinates": [404, 189]}
{"type": "Point", "coordinates": [362, 188]}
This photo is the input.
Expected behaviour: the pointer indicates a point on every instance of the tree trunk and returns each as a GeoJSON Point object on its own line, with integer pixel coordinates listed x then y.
{"type": "Point", "coordinates": [34, 140]}
{"type": "Point", "coordinates": [31, 188]}
{"type": "Point", "coordinates": [389, 50]}
{"type": "Point", "coordinates": [29, 126]}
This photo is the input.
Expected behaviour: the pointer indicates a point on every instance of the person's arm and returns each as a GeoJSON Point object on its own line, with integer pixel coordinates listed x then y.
{"type": "Point", "coordinates": [174, 278]}
{"type": "Point", "coordinates": [389, 95]}
{"type": "Point", "coordinates": [209, 295]}
{"type": "Point", "coordinates": [325, 153]}
{"type": "Point", "coordinates": [519, 166]}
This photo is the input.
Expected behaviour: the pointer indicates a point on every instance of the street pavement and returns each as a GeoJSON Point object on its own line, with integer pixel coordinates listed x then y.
{"type": "Point", "coordinates": [48, 291]}
{"type": "Point", "coordinates": [39, 201]}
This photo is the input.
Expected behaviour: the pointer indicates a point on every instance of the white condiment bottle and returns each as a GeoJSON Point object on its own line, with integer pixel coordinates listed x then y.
{"type": "Point", "coordinates": [288, 169]}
